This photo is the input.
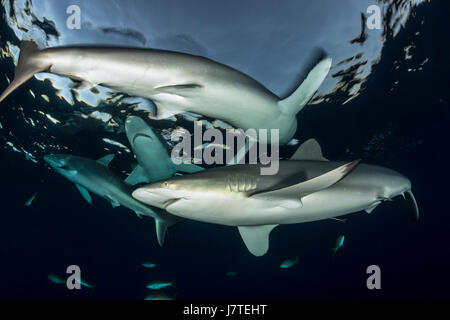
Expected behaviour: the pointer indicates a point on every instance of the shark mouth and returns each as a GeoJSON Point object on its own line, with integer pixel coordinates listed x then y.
{"type": "Point", "coordinates": [141, 135]}
{"type": "Point", "coordinates": [171, 201]}
{"type": "Point", "coordinates": [409, 197]}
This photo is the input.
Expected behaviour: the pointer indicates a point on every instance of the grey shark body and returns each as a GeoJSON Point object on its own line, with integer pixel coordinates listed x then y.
{"type": "Point", "coordinates": [95, 176]}
{"type": "Point", "coordinates": [306, 188]}
{"type": "Point", "coordinates": [175, 82]}
{"type": "Point", "coordinates": [152, 154]}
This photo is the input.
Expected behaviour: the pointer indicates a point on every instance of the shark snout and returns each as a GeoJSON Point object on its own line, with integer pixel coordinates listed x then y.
{"type": "Point", "coordinates": [54, 160]}
{"type": "Point", "coordinates": [156, 197]}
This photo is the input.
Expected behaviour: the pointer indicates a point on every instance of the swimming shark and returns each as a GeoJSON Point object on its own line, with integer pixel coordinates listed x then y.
{"type": "Point", "coordinates": [307, 187]}
{"type": "Point", "coordinates": [96, 177]}
{"type": "Point", "coordinates": [175, 82]}
{"type": "Point", "coordinates": [152, 154]}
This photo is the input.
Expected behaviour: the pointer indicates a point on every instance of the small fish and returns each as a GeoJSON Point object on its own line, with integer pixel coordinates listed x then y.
{"type": "Point", "coordinates": [45, 97]}
{"type": "Point", "coordinates": [156, 285]}
{"type": "Point", "coordinates": [84, 283]}
{"type": "Point", "coordinates": [339, 244]}
{"type": "Point", "coordinates": [231, 273]}
{"type": "Point", "coordinates": [149, 265]}
{"type": "Point", "coordinates": [159, 296]}
{"type": "Point", "coordinates": [56, 279]}
{"type": "Point", "coordinates": [30, 201]}
{"type": "Point", "coordinates": [288, 263]}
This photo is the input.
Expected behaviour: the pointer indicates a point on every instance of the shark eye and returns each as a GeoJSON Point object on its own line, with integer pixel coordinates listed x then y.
{"type": "Point", "coordinates": [165, 184]}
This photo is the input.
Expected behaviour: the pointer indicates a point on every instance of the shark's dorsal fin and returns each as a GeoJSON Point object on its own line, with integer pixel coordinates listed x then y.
{"type": "Point", "coordinates": [256, 238]}
{"type": "Point", "coordinates": [137, 176]}
{"type": "Point", "coordinates": [106, 159]}
{"type": "Point", "coordinates": [85, 193]}
{"type": "Point", "coordinates": [309, 150]}
{"type": "Point", "coordinates": [287, 195]}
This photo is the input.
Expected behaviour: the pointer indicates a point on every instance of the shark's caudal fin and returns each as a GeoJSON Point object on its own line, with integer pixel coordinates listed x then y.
{"type": "Point", "coordinates": [301, 96]}
{"type": "Point", "coordinates": [28, 65]}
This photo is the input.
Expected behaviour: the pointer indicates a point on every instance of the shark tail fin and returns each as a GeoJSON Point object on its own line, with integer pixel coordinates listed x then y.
{"type": "Point", "coordinates": [29, 64]}
{"type": "Point", "coordinates": [301, 96]}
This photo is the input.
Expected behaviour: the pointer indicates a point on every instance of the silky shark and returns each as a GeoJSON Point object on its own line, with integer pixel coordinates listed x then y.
{"type": "Point", "coordinates": [307, 187]}
{"type": "Point", "coordinates": [175, 82]}
{"type": "Point", "coordinates": [95, 176]}
{"type": "Point", "coordinates": [152, 154]}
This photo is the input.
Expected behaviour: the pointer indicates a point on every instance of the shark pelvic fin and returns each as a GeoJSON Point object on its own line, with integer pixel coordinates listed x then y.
{"type": "Point", "coordinates": [137, 176]}
{"type": "Point", "coordinates": [309, 150]}
{"type": "Point", "coordinates": [85, 193]}
{"type": "Point", "coordinates": [29, 64]}
{"type": "Point", "coordinates": [301, 96]}
{"type": "Point", "coordinates": [106, 159]}
{"type": "Point", "coordinates": [113, 201]}
{"type": "Point", "coordinates": [256, 238]}
{"type": "Point", "coordinates": [278, 197]}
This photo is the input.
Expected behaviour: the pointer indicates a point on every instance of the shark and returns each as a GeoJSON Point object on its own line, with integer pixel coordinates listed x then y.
{"type": "Point", "coordinates": [307, 187]}
{"type": "Point", "coordinates": [96, 177]}
{"type": "Point", "coordinates": [152, 154]}
{"type": "Point", "coordinates": [175, 82]}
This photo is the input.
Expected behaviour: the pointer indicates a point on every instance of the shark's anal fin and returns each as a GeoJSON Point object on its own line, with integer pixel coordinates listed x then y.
{"type": "Point", "coordinates": [309, 150]}
{"type": "Point", "coordinates": [106, 159]}
{"type": "Point", "coordinates": [85, 193]}
{"type": "Point", "coordinates": [256, 238]}
{"type": "Point", "coordinates": [188, 167]}
{"type": "Point", "coordinates": [137, 176]}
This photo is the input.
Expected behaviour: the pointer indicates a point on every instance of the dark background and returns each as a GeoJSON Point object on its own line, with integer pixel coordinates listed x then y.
{"type": "Point", "coordinates": [109, 245]}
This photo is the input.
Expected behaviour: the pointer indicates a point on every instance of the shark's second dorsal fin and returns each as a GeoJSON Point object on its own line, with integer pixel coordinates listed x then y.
{"type": "Point", "coordinates": [309, 150]}
{"type": "Point", "coordinates": [106, 159]}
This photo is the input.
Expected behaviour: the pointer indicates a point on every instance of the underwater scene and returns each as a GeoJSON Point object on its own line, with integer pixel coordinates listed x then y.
{"type": "Point", "coordinates": [223, 150]}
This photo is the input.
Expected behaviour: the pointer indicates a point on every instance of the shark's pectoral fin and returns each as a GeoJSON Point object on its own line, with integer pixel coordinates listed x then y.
{"type": "Point", "coordinates": [289, 195]}
{"type": "Point", "coordinates": [161, 231]}
{"type": "Point", "coordinates": [85, 193]}
{"type": "Point", "coordinates": [256, 238]}
{"type": "Point", "coordinates": [309, 150]}
{"type": "Point", "coordinates": [106, 159]}
{"type": "Point", "coordinates": [188, 167]}
{"type": "Point", "coordinates": [412, 203]}
{"type": "Point", "coordinates": [113, 201]}
{"type": "Point", "coordinates": [138, 175]}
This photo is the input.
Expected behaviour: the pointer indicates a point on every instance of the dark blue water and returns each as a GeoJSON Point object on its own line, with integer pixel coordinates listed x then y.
{"type": "Point", "coordinates": [402, 126]}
